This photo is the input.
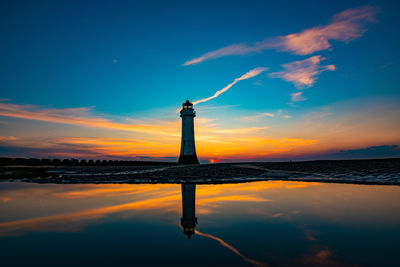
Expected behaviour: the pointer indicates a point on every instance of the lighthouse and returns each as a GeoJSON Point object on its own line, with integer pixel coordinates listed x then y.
{"type": "Point", "coordinates": [188, 149]}
{"type": "Point", "coordinates": [188, 220]}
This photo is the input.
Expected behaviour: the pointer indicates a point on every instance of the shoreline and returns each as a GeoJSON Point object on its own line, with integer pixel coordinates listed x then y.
{"type": "Point", "coordinates": [373, 172]}
{"type": "Point", "coordinates": [197, 182]}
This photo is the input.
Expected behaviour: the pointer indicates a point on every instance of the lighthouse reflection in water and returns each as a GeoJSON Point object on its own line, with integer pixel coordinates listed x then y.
{"type": "Point", "coordinates": [188, 220]}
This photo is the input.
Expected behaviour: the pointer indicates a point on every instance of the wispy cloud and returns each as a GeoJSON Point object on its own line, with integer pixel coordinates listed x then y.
{"type": "Point", "coordinates": [82, 117]}
{"type": "Point", "coordinates": [8, 138]}
{"type": "Point", "coordinates": [119, 146]}
{"type": "Point", "coordinates": [260, 115]}
{"type": "Point", "coordinates": [280, 114]}
{"type": "Point", "coordinates": [234, 49]}
{"type": "Point", "coordinates": [257, 116]}
{"type": "Point", "coordinates": [237, 130]}
{"type": "Point", "coordinates": [297, 97]}
{"type": "Point", "coordinates": [247, 75]}
{"type": "Point", "coordinates": [302, 73]}
{"type": "Point", "coordinates": [349, 125]}
{"type": "Point", "coordinates": [143, 141]}
{"type": "Point", "coordinates": [344, 27]}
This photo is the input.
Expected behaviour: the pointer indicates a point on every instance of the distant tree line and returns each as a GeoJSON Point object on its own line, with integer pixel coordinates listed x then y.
{"type": "Point", "coordinates": [76, 162]}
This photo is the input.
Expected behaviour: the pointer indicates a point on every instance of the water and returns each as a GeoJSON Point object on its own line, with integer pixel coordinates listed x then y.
{"type": "Point", "coordinates": [251, 224]}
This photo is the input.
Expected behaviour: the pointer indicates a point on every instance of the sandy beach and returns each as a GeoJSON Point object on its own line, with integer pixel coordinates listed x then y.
{"type": "Point", "coordinates": [377, 171]}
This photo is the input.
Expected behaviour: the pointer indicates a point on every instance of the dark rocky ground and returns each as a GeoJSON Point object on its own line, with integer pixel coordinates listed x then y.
{"type": "Point", "coordinates": [377, 171]}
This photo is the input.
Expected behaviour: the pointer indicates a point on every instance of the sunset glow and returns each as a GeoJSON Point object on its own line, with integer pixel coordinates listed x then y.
{"type": "Point", "coordinates": [321, 88]}
{"type": "Point", "coordinates": [199, 133]}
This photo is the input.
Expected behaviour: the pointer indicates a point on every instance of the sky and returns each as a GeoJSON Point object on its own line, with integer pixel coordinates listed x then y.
{"type": "Point", "coordinates": [270, 80]}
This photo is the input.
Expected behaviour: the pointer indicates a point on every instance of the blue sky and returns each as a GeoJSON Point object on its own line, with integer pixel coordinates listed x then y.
{"type": "Point", "coordinates": [123, 61]}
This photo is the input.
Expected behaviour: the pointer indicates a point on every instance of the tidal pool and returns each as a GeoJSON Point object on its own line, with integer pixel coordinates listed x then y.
{"type": "Point", "coordinates": [272, 223]}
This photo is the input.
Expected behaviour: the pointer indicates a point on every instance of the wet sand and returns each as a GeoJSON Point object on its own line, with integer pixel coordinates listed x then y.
{"type": "Point", "coordinates": [377, 171]}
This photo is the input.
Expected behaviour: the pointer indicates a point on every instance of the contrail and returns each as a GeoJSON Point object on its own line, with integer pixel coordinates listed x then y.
{"type": "Point", "coordinates": [247, 75]}
{"type": "Point", "coordinates": [234, 250]}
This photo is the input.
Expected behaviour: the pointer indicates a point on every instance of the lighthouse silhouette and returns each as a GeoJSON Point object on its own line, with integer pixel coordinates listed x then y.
{"type": "Point", "coordinates": [189, 219]}
{"type": "Point", "coordinates": [188, 148]}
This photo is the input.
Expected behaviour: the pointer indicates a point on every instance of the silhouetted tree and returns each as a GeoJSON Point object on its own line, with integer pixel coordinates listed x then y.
{"type": "Point", "coordinates": [66, 162]}
{"type": "Point", "coordinates": [74, 162]}
{"type": "Point", "coordinates": [6, 161]}
{"type": "Point", "coordinates": [83, 162]}
{"type": "Point", "coordinates": [45, 162]}
{"type": "Point", "coordinates": [20, 161]}
{"type": "Point", "coordinates": [56, 162]}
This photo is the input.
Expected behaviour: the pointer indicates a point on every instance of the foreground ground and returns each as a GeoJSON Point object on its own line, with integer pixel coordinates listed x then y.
{"type": "Point", "coordinates": [377, 171]}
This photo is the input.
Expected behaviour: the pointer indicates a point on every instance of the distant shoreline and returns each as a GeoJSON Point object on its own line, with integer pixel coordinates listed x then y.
{"type": "Point", "coordinates": [5, 161]}
{"type": "Point", "coordinates": [371, 171]}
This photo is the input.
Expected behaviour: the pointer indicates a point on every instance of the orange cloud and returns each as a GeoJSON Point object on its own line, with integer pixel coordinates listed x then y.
{"type": "Point", "coordinates": [302, 73]}
{"type": "Point", "coordinates": [160, 139]}
{"type": "Point", "coordinates": [352, 125]}
{"type": "Point", "coordinates": [82, 117]}
{"type": "Point", "coordinates": [345, 26]}
{"type": "Point", "coordinates": [8, 138]}
{"type": "Point", "coordinates": [122, 146]}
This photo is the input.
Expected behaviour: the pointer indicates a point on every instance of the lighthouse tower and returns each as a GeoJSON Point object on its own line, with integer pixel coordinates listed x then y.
{"type": "Point", "coordinates": [188, 149]}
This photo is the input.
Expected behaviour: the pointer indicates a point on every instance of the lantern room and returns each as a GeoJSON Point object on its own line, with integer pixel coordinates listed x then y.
{"type": "Point", "coordinates": [187, 104]}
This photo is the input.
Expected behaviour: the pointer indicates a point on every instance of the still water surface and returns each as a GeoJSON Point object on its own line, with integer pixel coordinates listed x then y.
{"type": "Point", "coordinates": [271, 223]}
